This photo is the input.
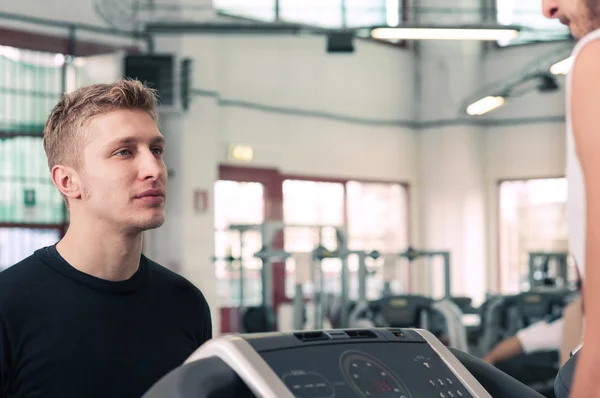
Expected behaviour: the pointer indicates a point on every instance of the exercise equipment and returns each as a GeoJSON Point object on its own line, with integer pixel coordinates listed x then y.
{"type": "Point", "coordinates": [342, 316]}
{"type": "Point", "coordinates": [548, 269]}
{"type": "Point", "coordinates": [264, 313]}
{"type": "Point", "coordinates": [442, 317]}
{"type": "Point", "coordinates": [505, 315]}
{"type": "Point", "coordinates": [258, 319]}
{"type": "Point", "coordinates": [383, 362]}
{"type": "Point", "coordinates": [565, 377]}
{"type": "Point", "coordinates": [412, 254]}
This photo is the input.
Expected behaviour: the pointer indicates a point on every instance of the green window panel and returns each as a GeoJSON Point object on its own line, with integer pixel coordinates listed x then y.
{"type": "Point", "coordinates": [27, 194]}
{"type": "Point", "coordinates": [30, 85]}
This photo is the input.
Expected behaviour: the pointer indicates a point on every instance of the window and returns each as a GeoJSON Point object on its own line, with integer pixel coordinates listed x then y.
{"type": "Point", "coordinates": [373, 216]}
{"type": "Point", "coordinates": [532, 218]}
{"type": "Point", "coordinates": [378, 220]}
{"type": "Point", "coordinates": [27, 195]}
{"type": "Point", "coordinates": [263, 10]}
{"type": "Point", "coordinates": [30, 85]}
{"type": "Point", "coordinates": [19, 243]}
{"type": "Point", "coordinates": [323, 13]}
{"type": "Point", "coordinates": [238, 203]}
{"type": "Point", "coordinates": [373, 12]}
{"type": "Point", "coordinates": [528, 14]}
{"type": "Point", "coordinates": [313, 210]}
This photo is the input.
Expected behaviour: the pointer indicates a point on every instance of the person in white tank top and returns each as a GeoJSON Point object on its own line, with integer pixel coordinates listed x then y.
{"type": "Point", "coordinates": [583, 174]}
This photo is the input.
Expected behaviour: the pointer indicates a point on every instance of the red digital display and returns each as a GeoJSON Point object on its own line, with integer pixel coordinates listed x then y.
{"type": "Point", "coordinates": [382, 386]}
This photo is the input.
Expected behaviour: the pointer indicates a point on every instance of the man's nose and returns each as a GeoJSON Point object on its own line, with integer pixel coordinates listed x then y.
{"type": "Point", "coordinates": [550, 8]}
{"type": "Point", "coordinates": [151, 167]}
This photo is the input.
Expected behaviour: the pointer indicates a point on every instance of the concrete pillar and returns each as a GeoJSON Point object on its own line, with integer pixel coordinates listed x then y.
{"type": "Point", "coordinates": [452, 187]}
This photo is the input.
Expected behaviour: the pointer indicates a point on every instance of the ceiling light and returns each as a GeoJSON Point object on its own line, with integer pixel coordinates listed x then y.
{"type": "Point", "coordinates": [485, 105]}
{"type": "Point", "coordinates": [492, 34]}
{"type": "Point", "coordinates": [563, 67]}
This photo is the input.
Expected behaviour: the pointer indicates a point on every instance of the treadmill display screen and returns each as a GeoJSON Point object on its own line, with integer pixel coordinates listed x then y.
{"type": "Point", "coordinates": [376, 370]}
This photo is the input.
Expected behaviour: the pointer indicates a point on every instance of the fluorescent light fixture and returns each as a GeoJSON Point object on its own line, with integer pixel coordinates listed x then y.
{"type": "Point", "coordinates": [492, 34]}
{"type": "Point", "coordinates": [485, 105]}
{"type": "Point", "coordinates": [563, 67]}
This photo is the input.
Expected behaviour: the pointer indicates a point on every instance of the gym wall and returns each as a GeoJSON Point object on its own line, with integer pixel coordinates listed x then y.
{"type": "Point", "coordinates": [283, 96]}
{"type": "Point", "coordinates": [356, 115]}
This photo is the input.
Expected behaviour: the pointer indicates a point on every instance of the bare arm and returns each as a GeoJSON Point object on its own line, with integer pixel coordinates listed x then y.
{"type": "Point", "coordinates": [506, 349]}
{"type": "Point", "coordinates": [572, 329]}
{"type": "Point", "coordinates": [585, 102]}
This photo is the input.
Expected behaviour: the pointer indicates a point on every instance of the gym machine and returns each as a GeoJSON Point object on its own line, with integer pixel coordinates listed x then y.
{"type": "Point", "coordinates": [439, 316]}
{"type": "Point", "coordinates": [505, 315]}
{"type": "Point", "coordinates": [543, 275]}
{"type": "Point", "coordinates": [262, 318]}
{"type": "Point", "coordinates": [343, 312]}
{"type": "Point", "coordinates": [412, 254]}
{"type": "Point", "coordinates": [382, 362]}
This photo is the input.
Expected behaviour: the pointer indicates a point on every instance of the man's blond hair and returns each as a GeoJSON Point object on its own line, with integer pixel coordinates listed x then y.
{"type": "Point", "coordinates": [66, 128]}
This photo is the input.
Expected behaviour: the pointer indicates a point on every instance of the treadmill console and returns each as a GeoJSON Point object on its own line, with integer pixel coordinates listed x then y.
{"type": "Point", "coordinates": [377, 363]}
{"type": "Point", "coordinates": [356, 363]}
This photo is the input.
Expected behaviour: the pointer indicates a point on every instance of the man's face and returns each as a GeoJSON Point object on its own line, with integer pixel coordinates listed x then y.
{"type": "Point", "coordinates": [581, 16]}
{"type": "Point", "coordinates": [123, 175]}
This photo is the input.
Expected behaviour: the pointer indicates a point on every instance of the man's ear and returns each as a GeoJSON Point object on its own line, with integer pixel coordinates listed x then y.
{"type": "Point", "coordinates": [66, 179]}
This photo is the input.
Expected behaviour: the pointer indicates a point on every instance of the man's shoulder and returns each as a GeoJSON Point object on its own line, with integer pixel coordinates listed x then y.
{"type": "Point", "coordinates": [21, 271]}
{"type": "Point", "coordinates": [174, 282]}
{"type": "Point", "coordinates": [20, 277]}
{"type": "Point", "coordinates": [590, 38]}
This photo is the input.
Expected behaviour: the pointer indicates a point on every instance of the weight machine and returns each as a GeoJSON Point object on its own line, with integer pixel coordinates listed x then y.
{"type": "Point", "coordinates": [548, 269]}
{"type": "Point", "coordinates": [412, 254]}
{"type": "Point", "coordinates": [405, 308]}
{"type": "Point", "coordinates": [268, 256]}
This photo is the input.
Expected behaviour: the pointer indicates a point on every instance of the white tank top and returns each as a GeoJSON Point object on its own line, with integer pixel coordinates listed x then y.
{"type": "Point", "coordinates": [576, 212]}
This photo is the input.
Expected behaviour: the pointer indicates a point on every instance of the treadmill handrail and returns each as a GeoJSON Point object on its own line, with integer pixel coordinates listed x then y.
{"type": "Point", "coordinates": [239, 355]}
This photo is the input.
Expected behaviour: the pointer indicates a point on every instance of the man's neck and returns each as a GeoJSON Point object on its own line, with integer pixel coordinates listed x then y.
{"type": "Point", "coordinates": [103, 254]}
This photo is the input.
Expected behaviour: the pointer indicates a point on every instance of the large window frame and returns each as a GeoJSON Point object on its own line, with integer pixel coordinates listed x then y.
{"type": "Point", "coordinates": [403, 18]}
{"type": "Point", "coordinates": [272, 182]}
{"type": "Point", "coordinates": [502, 282]}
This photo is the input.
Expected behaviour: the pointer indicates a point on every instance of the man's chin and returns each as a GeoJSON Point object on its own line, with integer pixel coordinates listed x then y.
{"type": "Point", "coordinates": [140, 226]}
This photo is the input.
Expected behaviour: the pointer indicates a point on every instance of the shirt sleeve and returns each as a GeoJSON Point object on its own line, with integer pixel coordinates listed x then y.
{"type": "Point", "coordinates": [205, 327]}
{"type": "Point", "coordinates": [208, 329]}
{"type": "Point", "coordinates": [541, 336]}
